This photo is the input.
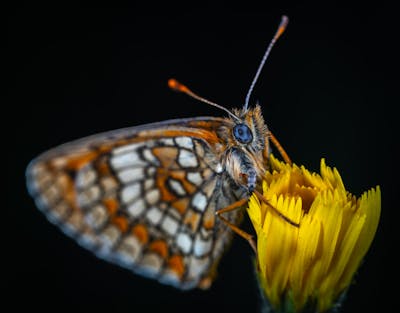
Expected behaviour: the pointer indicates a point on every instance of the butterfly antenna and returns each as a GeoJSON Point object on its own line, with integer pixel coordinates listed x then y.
{"type": "Point", "coordinates": [281, 28]}
{"type": "Point", "coordinates": [177, 86]}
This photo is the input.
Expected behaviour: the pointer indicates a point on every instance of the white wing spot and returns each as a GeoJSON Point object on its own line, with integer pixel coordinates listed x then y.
{"type": "Point", "coordinates": [58, 212]}
{"type": "Point", "coordinates": [167, 141]}
{"type": "Point", "coordinates": [127, 148]}
{"type": "Point", "coordinates": [151, 264]}
{"type": "Point", "coordinates": [37, 169]}
{"type": "Point", "coordinates": [51, 195]}
{"type": "Point", "coordinates": [169, 225]}
{"type": "Point", "coordinates": [109, 237]}
{"type": "Point", "coordinates": [129, 249]}
{"type": "Point", "coordinates": [74, 224]}
{"type": "Point", "coordinates": [170, 278]}
{"type": "Point", "coordinates": [202, 247]}
{"type": "Point", "coordinates": [184, 242]}
{"type": "Point", "coordinates": [96, 217]}
{"type": "Point", "coordinates": [184, 142]}
{"type": "Point", "coordinates": [195, 178]}
{"type": "Point", "coordinates": [39, 182]}
{"type": "Point", "coordinates": [149, 156]}
{"type": "Point", "coordinates": [151, 171]}
{"type": "Point", "coordinates": [130, 192]}
{"type": "Point", "coordinates": [131, 174]}
{"type": "Point", "coordinates": [187, 158]}
{"type": "Point", "coordinates": [197, 267]}
{"type": "Point", "coordinates": [87, 196]}
{"type": "Point", "coordinates": [127, 159]}
{"type": "Point", "coordinates": [176, 186]}
{"type": "Point", "coordinates": [59, 162]}
{"type": "Point", "coordinates": [136, 208]}
{"type": "Point", "coordinates": [148, 183]}
{"type": "Point", "coordinates": [154, 215]}
{"type": "Point", "coordinates": [108, 184]}
{"type": "Point", "coordinates": [200, 201]}
{"type": "Point", "coordinates": [152, 196]}
{"type": "Point", "coordinates": [85, 177]}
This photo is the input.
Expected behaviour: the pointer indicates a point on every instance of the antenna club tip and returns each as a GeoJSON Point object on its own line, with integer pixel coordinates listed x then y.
{"type": "Point", "coordinates": [172, 83]}
{"type": "Point", "coordinates": [285, 19]}
{"type": "Point", "coordinates": [175, 85]}
{"type": "Point", "coordinates": [282, 26]}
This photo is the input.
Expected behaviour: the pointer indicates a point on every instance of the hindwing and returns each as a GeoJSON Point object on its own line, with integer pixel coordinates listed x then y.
{"type": "Point", "coordinates": [142, 197]}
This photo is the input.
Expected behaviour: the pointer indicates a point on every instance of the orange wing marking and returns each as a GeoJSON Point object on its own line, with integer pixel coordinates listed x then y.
{"type": "Point", "coordinates": [111, 204]}
{"type": "Point", "coordinates": [140, 231]}
{"type": "Point", "coordinates": [160, 247]}
{"type": "Point", "coordinates": [121, 222]}
{"type": "Point", "coordinates": [176, 264]}
{"type": "Point", "coordinates": [192, 219]}
{"type": "Point", "coordinates": [181, 205]}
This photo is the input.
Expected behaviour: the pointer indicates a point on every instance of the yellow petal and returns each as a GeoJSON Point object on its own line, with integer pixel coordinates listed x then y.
{"type": "Point", "coordinates": [370, 207]}
{"type": "Point", "coordinates": [308, 251]}
{"type": "Point", "coordinates": [317, 260]}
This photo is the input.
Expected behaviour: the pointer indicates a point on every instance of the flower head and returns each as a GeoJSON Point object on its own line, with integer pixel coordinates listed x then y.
{"type": "Point", "coordinates": [314, 263]}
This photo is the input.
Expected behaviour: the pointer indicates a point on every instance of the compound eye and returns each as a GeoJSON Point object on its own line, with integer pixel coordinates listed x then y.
{"type": "Point", "coordinates": [242, 133]}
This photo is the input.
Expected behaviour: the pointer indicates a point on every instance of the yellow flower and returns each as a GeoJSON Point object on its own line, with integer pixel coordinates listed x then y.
{"type": "Point", "coordinates": [314, 263]}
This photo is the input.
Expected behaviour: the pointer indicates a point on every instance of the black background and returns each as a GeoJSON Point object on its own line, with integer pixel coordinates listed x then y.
{"type": "Point", "coordinates": [328, 90]}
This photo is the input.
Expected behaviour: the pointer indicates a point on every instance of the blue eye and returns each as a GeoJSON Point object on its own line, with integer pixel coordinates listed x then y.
{"type": "Point", "coordinates": [242, 133]}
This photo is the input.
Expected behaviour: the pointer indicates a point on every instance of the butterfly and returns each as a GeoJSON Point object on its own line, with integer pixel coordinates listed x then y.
{"type": "Point", "coordinates": [159, 199]}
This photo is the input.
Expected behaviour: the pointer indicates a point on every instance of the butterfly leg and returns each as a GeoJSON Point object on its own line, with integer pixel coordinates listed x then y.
{"type": "Point", "coordinates": [274, 209]}
{"type": "Point", "coordinates": [234, 206]}
{"type": "Point", "coordinates": [278, 146]}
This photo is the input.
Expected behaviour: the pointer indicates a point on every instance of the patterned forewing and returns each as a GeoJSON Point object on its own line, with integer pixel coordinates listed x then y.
{"type": "Point", "coordinates": [146, 202]}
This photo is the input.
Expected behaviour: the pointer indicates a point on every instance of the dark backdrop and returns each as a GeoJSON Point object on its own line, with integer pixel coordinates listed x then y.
{"type": "Point", "coordinates": [328, 90]}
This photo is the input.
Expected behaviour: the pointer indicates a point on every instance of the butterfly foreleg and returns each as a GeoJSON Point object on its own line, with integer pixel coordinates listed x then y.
{"type": "Point", "coordinates": [275, 210]}
{"type": "Point", "coordinates": [235, 206]}
{"type": "Point", "coordinates": [279, 147]}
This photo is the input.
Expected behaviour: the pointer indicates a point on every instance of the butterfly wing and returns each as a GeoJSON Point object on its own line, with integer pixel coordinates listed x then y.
{"type": "Point", "coordinates": [142, 197]}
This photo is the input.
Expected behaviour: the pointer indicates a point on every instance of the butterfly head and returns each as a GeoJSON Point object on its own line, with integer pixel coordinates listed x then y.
{"type": "Point", "coordinates": [248, 129]}
{"type": "Point", "coordinates": [246, 143]}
